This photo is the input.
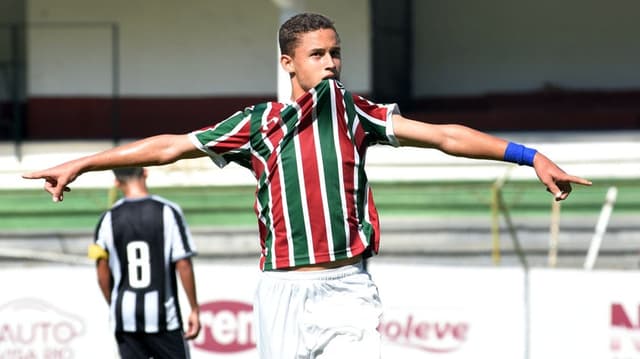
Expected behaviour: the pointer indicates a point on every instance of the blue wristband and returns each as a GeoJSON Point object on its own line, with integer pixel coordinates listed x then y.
{"type": "Point", "coordinates": [519, 154]}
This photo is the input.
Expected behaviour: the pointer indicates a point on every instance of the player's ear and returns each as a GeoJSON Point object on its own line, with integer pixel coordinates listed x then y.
{"type": "Point", "coordinates": [286, 62]}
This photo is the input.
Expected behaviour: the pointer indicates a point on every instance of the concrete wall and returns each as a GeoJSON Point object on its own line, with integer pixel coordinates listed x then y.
{"type": "Point", "coordinates": [176, 48]}
{"type": "Point", "coordinates": [185, 65]}
{"type": "Point", "coordinates": [225, 47]}
{"type": "Point", "coordinates": [471, 47]}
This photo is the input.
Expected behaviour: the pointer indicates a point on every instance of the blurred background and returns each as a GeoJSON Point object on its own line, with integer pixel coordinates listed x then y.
{"type": "Point", "coordinates": [79, 76]}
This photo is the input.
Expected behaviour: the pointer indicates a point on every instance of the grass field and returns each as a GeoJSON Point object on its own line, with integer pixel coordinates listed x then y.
{"type": "Point", "coordinates": [25, 210]}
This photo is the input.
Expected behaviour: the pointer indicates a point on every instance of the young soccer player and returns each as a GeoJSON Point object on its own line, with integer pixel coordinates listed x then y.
{"type": "Point", "coordinates": [316, 215]}
{"type": "Point", "coordinates": [139, 245]}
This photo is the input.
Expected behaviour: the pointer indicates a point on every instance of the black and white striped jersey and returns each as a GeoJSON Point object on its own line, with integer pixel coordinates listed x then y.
{"type": "Point", "coordinates": [144, 238]}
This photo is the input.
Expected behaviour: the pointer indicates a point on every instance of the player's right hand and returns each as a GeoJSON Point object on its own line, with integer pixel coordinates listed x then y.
{"type": "Point", "coordinates": [56, 181]}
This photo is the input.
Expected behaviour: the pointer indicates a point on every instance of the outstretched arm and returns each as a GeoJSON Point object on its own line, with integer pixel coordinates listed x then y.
{"type": "Point", "coordinates": [185, 269]}
{"type": "Point", "coordinates": [463, 141]}
{"type": "Point", "coordinates": [156, 150]}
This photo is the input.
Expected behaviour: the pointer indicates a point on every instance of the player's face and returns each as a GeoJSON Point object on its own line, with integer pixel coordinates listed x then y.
{"type": "Point", "coordinates": [315, 58]}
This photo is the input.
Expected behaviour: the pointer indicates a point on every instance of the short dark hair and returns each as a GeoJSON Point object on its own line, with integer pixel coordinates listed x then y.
{"type": "Point", "coordinates": [126, 174]}
{"type": "Point", "coordinates": [291, 30]}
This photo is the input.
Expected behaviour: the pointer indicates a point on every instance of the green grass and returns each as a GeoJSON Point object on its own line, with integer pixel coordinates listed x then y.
{"type": "Point", "coordinates": [474, 198]}
{"type": "Point", "coordinates": [203, 206]}
{"type": "Point", "coordinates": [233, 206]}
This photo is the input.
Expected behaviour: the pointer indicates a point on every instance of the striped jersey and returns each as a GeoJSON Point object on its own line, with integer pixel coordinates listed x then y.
{"type": "Point", "coordinates": [144, 238]}
{"type": "Point", "coordinates": [313, 200]}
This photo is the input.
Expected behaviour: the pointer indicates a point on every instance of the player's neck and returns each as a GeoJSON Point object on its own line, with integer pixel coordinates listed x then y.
{"type": "Point", "coordinates": [296, 92]}
{"type": "Point", "coordinates": [135, 191]}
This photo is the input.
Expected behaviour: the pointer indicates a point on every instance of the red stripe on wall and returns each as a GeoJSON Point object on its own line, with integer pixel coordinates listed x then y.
{"type": "Point", "coordinates": [544, 110]}
{"type": "Point", "coordinates": [92, 118]}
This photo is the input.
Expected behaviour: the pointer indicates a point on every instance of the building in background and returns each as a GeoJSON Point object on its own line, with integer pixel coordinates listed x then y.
{"type": "Point", "coordinates": [78, 69]}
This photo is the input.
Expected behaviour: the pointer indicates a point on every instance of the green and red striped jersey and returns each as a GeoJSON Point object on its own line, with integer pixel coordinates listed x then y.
{"type": "Point", "coordinates": [313, 199]}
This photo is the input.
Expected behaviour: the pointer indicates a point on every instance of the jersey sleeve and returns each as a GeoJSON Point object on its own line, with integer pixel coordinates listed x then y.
{"type": "Point", "coordinates": [226, 141]}
{"type": "Point", "coordinates": [377, 120]}
{"type": "Point", "coordinates": [178, 236]}
{"type": "Point", "coordinates": [103, 234]}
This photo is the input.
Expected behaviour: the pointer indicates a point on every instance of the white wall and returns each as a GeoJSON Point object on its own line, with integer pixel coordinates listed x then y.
{"type": "Point", "coordinates": [176, 48]}
{"type": "Point", "coordinates": [472, 47]}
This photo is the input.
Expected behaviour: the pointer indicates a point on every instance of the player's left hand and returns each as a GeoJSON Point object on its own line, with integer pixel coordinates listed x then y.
{"type": "Point", "coordinates": [193, 325]}
{"type": "Point", "coordinates": [558, 182]}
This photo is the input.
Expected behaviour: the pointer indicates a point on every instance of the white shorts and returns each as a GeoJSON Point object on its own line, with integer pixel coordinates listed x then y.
{"type": "Point", "coordinates": [323, 314]}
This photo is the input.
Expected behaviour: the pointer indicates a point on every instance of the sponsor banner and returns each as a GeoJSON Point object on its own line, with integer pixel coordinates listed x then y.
{"type": "Point", "coordinates": [225, 292]}
{"type": "Point", "coordinates": [53, 312]}
{"type": "Point", "coordinates": [57, 311]}
{"type": "Point", "coordinates": [449, 312]}
{"type": "Point", "coordinates": [585, 314]}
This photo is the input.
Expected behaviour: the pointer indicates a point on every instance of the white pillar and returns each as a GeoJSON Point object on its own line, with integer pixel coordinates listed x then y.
{"type": "Point", "coordinates": [601, 227]}
{"type": "Point", "coordinates": [288, 8]}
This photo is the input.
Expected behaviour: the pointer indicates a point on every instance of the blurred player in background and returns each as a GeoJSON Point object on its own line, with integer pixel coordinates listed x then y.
{"type": "Point", "coordinates": [139, 245]}
{"type": "Point", "coordinates": [316, 216]}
